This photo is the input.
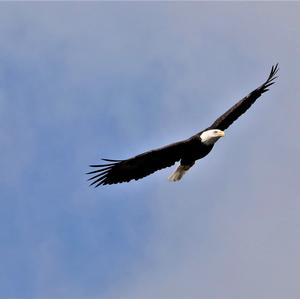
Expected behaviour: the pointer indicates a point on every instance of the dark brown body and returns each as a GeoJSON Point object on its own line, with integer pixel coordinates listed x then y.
{"type": "Point", "coordinates": [195, 150]}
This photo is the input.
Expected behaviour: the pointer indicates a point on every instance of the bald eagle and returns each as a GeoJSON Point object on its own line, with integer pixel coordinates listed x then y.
{"type": "Point", "coordinates": [186, 151]}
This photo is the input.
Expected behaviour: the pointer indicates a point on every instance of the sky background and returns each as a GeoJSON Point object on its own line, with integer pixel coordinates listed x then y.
{"type": "Point", "coordinates": [84, 81]}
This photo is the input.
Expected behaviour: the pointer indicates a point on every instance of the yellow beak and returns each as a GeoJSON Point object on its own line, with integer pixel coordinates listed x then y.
{"type": "Point", "coordinates": [221, 134]}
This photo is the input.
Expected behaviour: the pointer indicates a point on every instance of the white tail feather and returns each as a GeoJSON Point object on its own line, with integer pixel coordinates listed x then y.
{"type": "Point", "coordinates": [179, 173]}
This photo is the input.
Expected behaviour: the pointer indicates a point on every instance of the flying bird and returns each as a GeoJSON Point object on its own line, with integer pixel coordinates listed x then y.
{"type": "Point", "coordinates": [186, 151]}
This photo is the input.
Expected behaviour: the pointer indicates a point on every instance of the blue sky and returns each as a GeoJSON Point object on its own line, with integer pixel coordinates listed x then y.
{"type": "Point", "coordinates": [82, 81]}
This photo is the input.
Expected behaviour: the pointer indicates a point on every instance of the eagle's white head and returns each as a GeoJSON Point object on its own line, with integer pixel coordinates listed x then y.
{"type": "Point", "coordinates": [211, 136]}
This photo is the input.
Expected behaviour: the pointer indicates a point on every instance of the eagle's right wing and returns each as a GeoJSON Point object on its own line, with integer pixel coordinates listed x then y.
{"type": "Point", "coordinates": [225, 120]}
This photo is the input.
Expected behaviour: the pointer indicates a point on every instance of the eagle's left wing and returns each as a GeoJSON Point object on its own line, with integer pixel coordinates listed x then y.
{"type": "Point", "coordinates": [225, 120]}
{"type": "Point", "coordinates": [135, 168]}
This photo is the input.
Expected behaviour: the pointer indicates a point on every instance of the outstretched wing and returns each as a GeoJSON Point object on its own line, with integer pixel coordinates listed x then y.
{"type": "Point", "coordinates": [224, 121]}
{"type": "Point", "coordinates": [119, 171]}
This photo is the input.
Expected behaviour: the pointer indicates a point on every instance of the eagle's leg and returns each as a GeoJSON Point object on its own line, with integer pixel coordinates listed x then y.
{"type": "Point", "coordinates": [180, 171]}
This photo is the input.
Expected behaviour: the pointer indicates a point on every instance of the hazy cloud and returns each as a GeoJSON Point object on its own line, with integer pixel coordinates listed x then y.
{"type": "Point", "coordinates": [83, 81]}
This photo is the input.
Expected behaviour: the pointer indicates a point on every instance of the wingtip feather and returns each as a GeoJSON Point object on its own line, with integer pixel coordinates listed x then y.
{"type": "Point", "coordinates": [111, 160]}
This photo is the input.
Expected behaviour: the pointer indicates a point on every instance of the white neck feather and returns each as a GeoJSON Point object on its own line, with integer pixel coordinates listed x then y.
{"type": "Point", "coordinates": [208, 137]}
